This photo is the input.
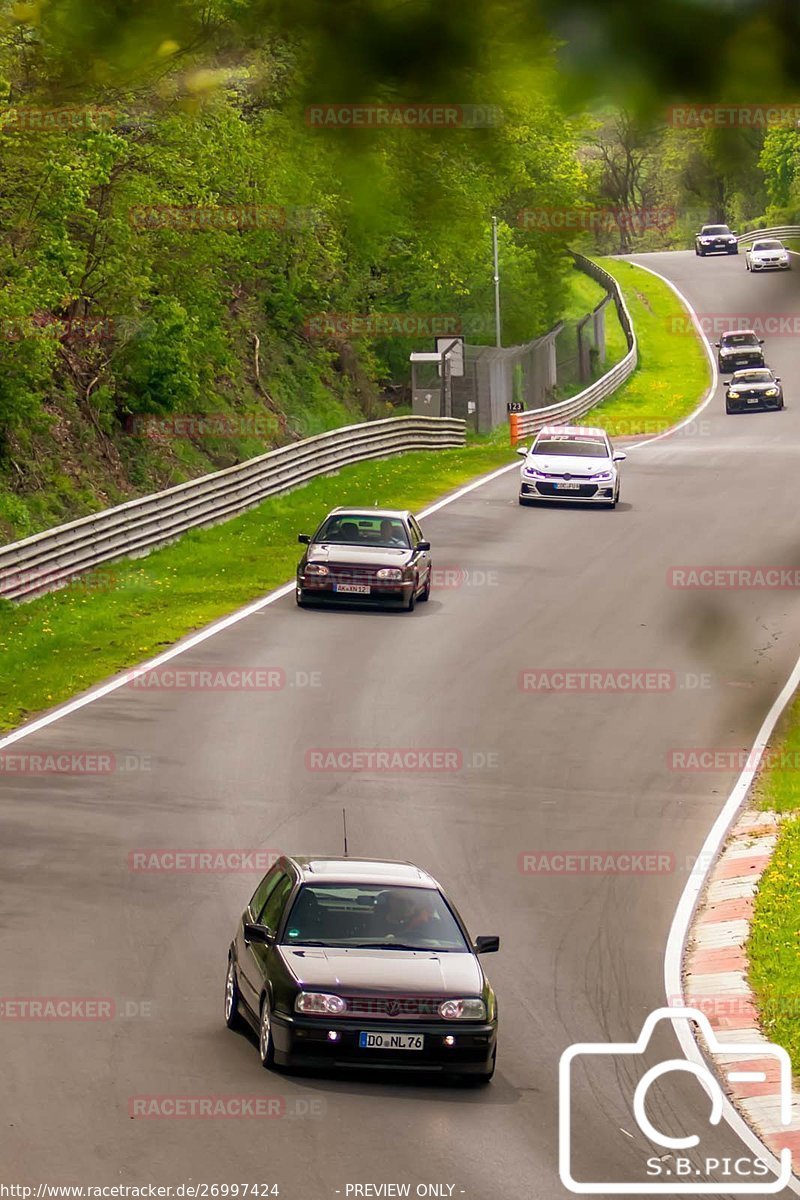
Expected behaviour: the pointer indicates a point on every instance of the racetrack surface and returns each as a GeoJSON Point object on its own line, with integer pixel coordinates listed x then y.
{"type": "Point", "coordinates": [582, 954]}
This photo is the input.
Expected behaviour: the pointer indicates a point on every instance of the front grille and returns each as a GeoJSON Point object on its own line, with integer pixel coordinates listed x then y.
{"type": "Point", "coordinates": [584, 490]}
{"type": "Point", "coordinates": [403, 1008]}
{"type": "Point", "coordinates": [345, 573]}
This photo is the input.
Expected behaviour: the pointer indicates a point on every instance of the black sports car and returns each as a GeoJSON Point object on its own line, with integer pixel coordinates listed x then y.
{"type": "Point", "coordinates": [346, 962]}
{"type": "Point", "coordinates": [365, 556]}
{"type": "Point", "coordinates": [715, 239]}
{"type": "Point", "coordinates": [752, 390]}
{"type": "Point", "coordinates": [740, 349]}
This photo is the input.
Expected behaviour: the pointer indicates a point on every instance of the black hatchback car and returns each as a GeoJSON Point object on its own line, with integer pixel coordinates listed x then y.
{"type": "Point", "coordinates": [715, 239]}
{"type": "Point", "coordinates": [347, 962]}
{"type": "Point", "coordinates": [365, 556]}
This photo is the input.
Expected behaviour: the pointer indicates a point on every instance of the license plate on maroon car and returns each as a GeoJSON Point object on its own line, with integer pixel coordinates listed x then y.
{"type": "Point", "coordinates": [362, 589]}
{"type": "Point", "coordinates": [391, 1041]}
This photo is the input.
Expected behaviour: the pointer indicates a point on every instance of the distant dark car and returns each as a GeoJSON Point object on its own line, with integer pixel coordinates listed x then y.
{"type": "Point", "coordinates": [347, 962]}
{"type": "Point", "coordinates": [740, 349]}
{"type": "Point", "coordinates": [753, 390]}
{"type": "Point", "coordinates": [365, 556]}
{"type": "Point", "coordinates": [715, 239]}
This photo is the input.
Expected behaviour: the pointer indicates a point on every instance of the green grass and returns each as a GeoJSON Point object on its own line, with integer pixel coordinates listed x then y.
{"type": "Point", "coordinates": [62, 643]}
{"type": "Point", "coordinates": [773, 947]}
{"type": "Point", "coordinates": [673, 373]}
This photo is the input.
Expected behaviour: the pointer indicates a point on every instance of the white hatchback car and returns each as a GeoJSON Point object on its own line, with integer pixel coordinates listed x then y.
{"type": "Point", "coordinates": [572, 463]}
{"type": "Point", "coordinates": [768, 255]}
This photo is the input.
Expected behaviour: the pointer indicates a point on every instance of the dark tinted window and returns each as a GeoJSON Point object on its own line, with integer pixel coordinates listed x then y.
{"type": "Point", "coordinates": [714, 230]}
{"type": "Point", "coordinates": [372, 915]}
{"type": "Point", "coordinates": [354, 529]}
{"type": "Point", "coordinates": [270, 914]}
{"type": "Point", "coordinates": [739, 339]}
{"type": "Point", "coordinates": [263, 890]}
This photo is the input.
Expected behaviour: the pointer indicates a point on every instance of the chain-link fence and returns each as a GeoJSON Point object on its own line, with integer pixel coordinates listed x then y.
{"type": "Point", "coordinates": [497, 380]}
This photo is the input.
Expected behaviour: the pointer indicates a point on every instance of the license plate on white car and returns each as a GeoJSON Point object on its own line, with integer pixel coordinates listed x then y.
{"type": "Point", "coordinates": [568, 486]}
{"type": "Point", "coordinates": [391, 1041]}
{"type": "Point", "coordinates": [362, 589]}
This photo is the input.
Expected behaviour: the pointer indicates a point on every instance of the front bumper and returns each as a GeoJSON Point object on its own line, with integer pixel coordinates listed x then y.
{"type": "Point", "coordinates": [770, 265]}
{"type": "Point", "coordinates": [314, 590]}
{"type": "Point", "coordinates": [586, 493]}
{"type": "Point", "coordinates": [303, 1041]}
{"type": "Point", "coordinates": [732, 363]}
{"type": "Point", "coordinates": [719, 248]}
{"type": "Point", "coordinates": [762, 404]}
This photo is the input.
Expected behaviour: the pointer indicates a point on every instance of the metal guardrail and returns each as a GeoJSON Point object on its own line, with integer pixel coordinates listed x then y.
{"type": "Point", "coordinates": [780, 231]}
{"type": "Point", "coordinates": [521, 425]}
{"type": "Point", "coordinates": [50, 559]}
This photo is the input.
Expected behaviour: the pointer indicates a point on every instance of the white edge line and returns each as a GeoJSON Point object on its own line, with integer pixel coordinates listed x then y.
{"type": "Point", "coordinates": [684, 913]}
{"type": "Point", "coordinates": [195, 639]}
{"type": "Point", "coordinates": [709, 352]}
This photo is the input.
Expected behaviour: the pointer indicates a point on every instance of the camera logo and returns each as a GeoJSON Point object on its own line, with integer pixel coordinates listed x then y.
{"type": "Point", "coordinates": [742, 1052]}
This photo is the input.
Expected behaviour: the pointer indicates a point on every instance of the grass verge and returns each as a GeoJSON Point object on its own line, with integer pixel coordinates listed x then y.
{"type": "Point", "coordinates": [673, 373]}
{"type": "Point", "coordinates": [773, 948]}
{"type": "Point", "coordinates": [62, 643]}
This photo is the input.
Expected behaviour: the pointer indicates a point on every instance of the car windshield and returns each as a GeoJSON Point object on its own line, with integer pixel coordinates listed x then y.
{"type": "Point", "coordinates": [739, 339]}
{"type": "Point", "coordinates": [372, 916]}
{"type": "Point", "coordinates": [713, 230]}
{"type": "Point", "coordinates": [760, 376]}
{"type": "Point", "coordinates": [355, 529]}
{"type": "Point", "coordinates": [768, 245]}
{"type": "Point", "coordinates": [574, 447]}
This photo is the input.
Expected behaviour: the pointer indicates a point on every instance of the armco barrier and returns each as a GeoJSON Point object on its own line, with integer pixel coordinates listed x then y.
{"type": "Point", "coordinates": [52, 558]}
{"type": "Point", "coordinates": [521, 425]}
{"type": "Point", "coordinates": [780, 231]}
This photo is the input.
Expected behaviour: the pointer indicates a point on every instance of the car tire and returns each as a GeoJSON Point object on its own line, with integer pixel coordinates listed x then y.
{"type": "Point", "coordinates": [736, 251]}
{"type": "Point", "coordinates": [266, 1046]}
{"type": "Point", "coordinates": [483, 1080]}
{"type": "Point", "coordinates": [728, 410]}
{"type": "Point", "coordinates": [233, 1017]}
{"type": "Point", "coordinates": [702, 253]}
{"type": "Point", "coordinates": [524, 502]}
{"type": "Point", "coordinates": [299, 599]}
{"type": "Point", "coordinates": [412, 599]}
{"type": "Point", "coordinates": [425, 594]}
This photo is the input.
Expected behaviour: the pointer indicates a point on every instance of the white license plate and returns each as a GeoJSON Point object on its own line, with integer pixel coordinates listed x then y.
{"type": "Point", "coordinates": [360, 588]}
{"type": "Point", "coordinates": [391, 1041]}
{"type": "Point", "coordinates": [568, 486]}
{"type": "Point", "coordinates": [754, 400]}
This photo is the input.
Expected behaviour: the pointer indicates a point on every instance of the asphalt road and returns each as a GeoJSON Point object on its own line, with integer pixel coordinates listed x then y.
{"type": "Point", "coordinates": [582, 954]}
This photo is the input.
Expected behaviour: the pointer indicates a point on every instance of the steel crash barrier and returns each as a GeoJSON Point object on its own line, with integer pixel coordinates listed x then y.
{"type": "Point", "coordinates": [522, 425]}
{"type": "Point", "coordinates": [55, 557]}
{"type": "Point", "coordinates": [780, 232]}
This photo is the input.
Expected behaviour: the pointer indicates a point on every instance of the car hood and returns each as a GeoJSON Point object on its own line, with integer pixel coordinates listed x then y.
{"type": "Point", "coordinates": [766, 253]}
{"type": "Point", "coordinates": [750, 348]}
{"type": "Point", "coordinates": [323, 552]}
{"type": "Point", "coordinates": [396, 971]}
{"type": "Point", "coordinates": [557, 464]}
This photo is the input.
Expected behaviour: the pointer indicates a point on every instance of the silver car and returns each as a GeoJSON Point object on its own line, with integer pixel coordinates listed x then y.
{"type": "Point", "coordinates": [570, 463]}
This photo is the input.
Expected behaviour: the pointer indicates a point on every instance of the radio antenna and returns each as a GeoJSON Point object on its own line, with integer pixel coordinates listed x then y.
{"type": "Point", "coordinates": [344, 826]}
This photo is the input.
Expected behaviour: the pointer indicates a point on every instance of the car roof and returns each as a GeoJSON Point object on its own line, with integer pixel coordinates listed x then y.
{"type": "Point", "coordinates": [401, 513]}
{"type": "Point", "coordinates": [752, 371]}
{"type": "Point", "coordinates": [576, 431]}
{"type": "Point", "coordinates": [714, 225]}
{"type": "Point", "coordinates": [739, 332]}
{"type": "Point", "coordinates": [319, 869]}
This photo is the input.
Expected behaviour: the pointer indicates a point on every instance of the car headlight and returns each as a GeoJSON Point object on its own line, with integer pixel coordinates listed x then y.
{"type": "Point", "coordinates": [603, 475]}
{"type": "Point", "coordinates": [733, 395]}
{"type": "Point", "coordinates": [389, 573]}
{"type": "Point", "coordinates": [320, 1003]}
{"type": "Point", "coordinates": [316, 569]}
{"type": "Point", "coordinates": [771, 392]}
{"type": "Point", "coordinates": [532, 473]}
{"type": "Point", "coordinates": [463, 1010]}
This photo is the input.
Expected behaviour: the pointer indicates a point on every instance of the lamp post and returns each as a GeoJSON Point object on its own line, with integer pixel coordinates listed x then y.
{"type": "Point", "coordinates": [498, 338]}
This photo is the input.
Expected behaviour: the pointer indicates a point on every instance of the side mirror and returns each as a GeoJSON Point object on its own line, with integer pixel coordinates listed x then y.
{"type": "Point", "coordinates": [487, 945]}
{"type": "Point", "coordinates": [258, 935]}
{"type": "Point", "coordinates": [761, 341]}
{"type": "Point", "coordinates": [523, 451]}
{"type": "Point", "coordinates": [777, 378]}
{"type": "Point", "coordinates": [304, 538]}
{"type": "Point", "coordinates": [717, 343]}
{"type": "Point", "coordinates": [423, 545]}
{"type": "Point", "coordinates": [619, 456]}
